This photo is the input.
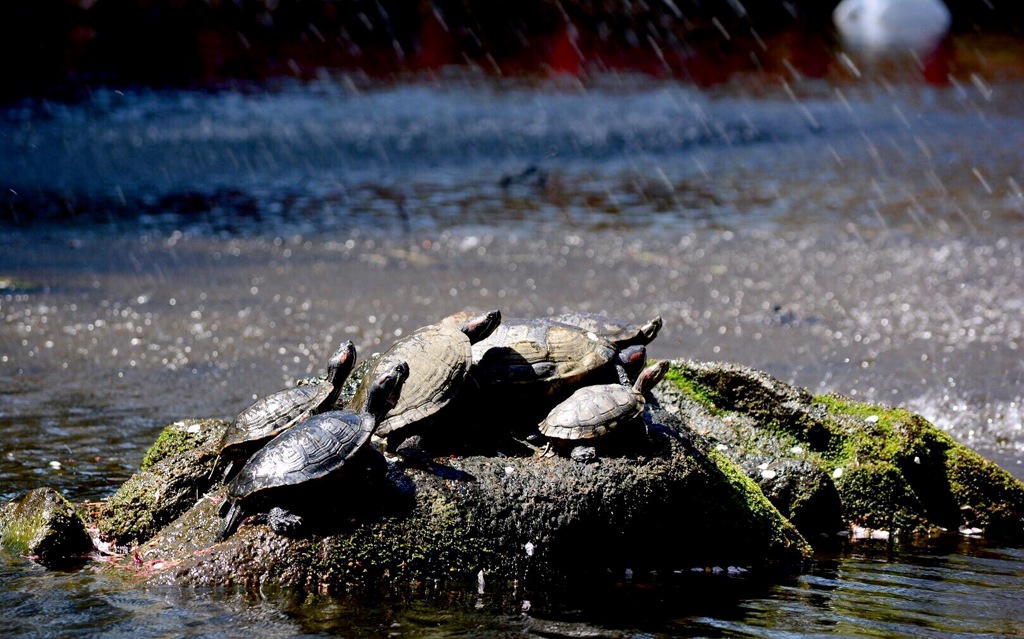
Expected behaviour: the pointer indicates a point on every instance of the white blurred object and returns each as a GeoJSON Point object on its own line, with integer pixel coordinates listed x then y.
{"type": "Point", "coordinates": [881, 24]}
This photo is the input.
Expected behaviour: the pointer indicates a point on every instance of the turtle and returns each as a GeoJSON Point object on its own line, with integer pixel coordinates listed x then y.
{"type": "Point", "coordinates": [318, 448]}
{"type": "Point", "coordinates": [439, 358]}
{"type": "Point", "coordinates": [616, 331]}
{"type": "Point", "coordinates": [269, 416]}
{"type": "Point", "coordinates": [597, 410]}
{"type": "Point", "coordinates": [538, 357]}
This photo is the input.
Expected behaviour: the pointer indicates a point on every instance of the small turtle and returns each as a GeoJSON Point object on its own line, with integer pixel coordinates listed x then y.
{"type": "Point", "coordinates": [439, 357]}
{"type": "Point", "coordinates": [539, 357]}
{"type": "Point", "coordinates": [270, 415]}
{"type": "Point", "coordinates": [318, 448]}
{"type": "Point", "coordinates": [618, 332]}
{"type": "Point", "coordinates": [594, 411]}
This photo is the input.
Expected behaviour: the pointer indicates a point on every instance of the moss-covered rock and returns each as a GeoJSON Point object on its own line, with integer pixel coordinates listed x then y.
{"type": "Point", "coordinates": [921, 476]}
{"type": "Point", "coordinates": [890, 468]}
{"type": "Point", "coordinates": [181, 438]}
{"type": "Point", "coordinates": [175, 473]}
{"type": "Point", "coordinates": [526, 519]}
{"type": "Point", "coordinates": [789, 475]}
{"type": "Point", "coordinates": [45, 526]}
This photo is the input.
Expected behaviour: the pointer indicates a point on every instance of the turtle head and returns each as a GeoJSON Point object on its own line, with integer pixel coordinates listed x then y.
{"type": "Point", "coordinates": [385, 390]}
{"type": "Point", "coordinates": [631, 360]}
{"type": "Point", "coordinates": [341, 364]}
{"type": "Point", "coordinates": [480, 326]}
{"type": "Point", "coordinates": [650, 329]}
{"type": "Point", "coordinates": [650, 377]}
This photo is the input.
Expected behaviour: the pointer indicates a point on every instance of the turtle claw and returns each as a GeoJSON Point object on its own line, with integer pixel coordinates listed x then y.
{"type": "Point", "coordinates": [227, 471]}
{"type": "Point", "coordinates": [411, 451]}
{"type": "Point", "coordinates": [283, 522]}
{"type": "Point", "coordinates": [583, 454]}
{"type": "Point", "coordinates": [213, 470]}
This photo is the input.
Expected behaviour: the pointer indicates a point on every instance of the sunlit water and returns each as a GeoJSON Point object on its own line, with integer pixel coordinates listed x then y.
{"type": "Point", "coordinates": [176, 254]}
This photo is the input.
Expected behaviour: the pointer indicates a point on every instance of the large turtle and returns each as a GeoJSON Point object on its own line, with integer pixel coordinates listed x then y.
{"type": "Point", "coordinates": [318, 448]}
{"type": "Point", "coordinates": [439, 357]}
{"type": "Point", "coordinates": [539, 357]}
{"type": "Point", "coordinates": [269, 416]}
{"type": "Point", "coordinates": [616, 331]}
{"type": "Point", "coordinates": [595, 411]}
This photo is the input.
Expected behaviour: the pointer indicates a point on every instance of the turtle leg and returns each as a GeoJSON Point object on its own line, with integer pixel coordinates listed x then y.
{"type": "Point", "coordinates": [516, 373]}
{"type": "Point", "coordinates": [283, 522]}
{"type": "Point", "coordinates": [226, 475]}
{"type": "Point", "coordinates": [411, 450]}
{"type": "Point", "coordinates": [583, 454]}
{"type": "Point", "coordinates": [216, 462]}
{"type": "Point", "coordinates": [525, 443]}
{"type": "Point", "coordinates": [234, 517]}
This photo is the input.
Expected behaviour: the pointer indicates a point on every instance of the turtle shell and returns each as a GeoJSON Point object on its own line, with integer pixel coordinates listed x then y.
{"type": "Point", "coordinates": [438, 358]}
{"type": "Point", "coordinates": [270, 415]}
{"type": "Point", "coordinates": [593, 411]}
{"type": "Point", "coordinates": [539, 354]}
{"type": "Point", "coordinates": [320, 447]}
{"type": "Point", "coordinates": [619, 332]}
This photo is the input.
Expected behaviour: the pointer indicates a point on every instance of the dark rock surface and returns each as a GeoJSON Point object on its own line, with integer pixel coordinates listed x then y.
{"type": "Point", "coordinates": [516, 519]}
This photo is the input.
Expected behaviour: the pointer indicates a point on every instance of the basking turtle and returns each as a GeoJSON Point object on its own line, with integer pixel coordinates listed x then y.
{"type": "Point", "coordinates": [439, 357]}
{"type": "Point", "coordinates": [594, 411]}
{"type": "Point", "coordinates": [616, 331]}
{"type": "Point", "coordinates": [318, 448]}
{"type": "Point", "coordinates": [270, 415]}
{"type": "Point", "coordinates": [540, 357]}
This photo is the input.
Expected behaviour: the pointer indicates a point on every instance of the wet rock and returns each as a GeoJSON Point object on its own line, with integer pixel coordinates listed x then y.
{"type": "Point", "coordinates": [175, 473]}
{"type": "Point", "coordinates": [889, 468]}
{"type": "Point", "coordinates": [673, 508]}
{"type": "Point", "coordinates": [734, 459]}
{"type": "Point", "coordinates": [800, 488]}
{"type": "Point", "coordinates": [45, 526]}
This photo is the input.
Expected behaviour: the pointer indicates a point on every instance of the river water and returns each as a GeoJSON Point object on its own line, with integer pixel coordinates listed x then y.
{"type": "Point", "coordinates": [172, 254]}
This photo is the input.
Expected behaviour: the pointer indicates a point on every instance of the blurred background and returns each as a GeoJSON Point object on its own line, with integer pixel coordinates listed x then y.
{"type": "Point", "coordinates": [55, 47]}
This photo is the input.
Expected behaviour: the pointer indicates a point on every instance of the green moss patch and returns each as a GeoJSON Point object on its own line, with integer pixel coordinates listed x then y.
{"type": "Point", "coordinates": [175, 473]}
{"type": "Point", "coordinates": [183, 437]}
{"type": "Point", "coordinates": [749, 498]}
{"type": "Point", "coordinates": [988, 496]}
{"type": "Point", "coordinates": [435, 540]}
{"type": "Point", "coordinates": [892, 468]}
{"type": "Point", "coordinates": [694, 390]}
{"type": "Point", "coordinates": [46, 526]}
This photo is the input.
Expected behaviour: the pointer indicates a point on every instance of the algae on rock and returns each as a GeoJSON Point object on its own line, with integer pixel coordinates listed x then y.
{"type": "Point", "coordinates": [889, 468]}
{"type": "Point", "coordinates": [44, 525]}
{"type": "Point", "coordinates": [175, 473]}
